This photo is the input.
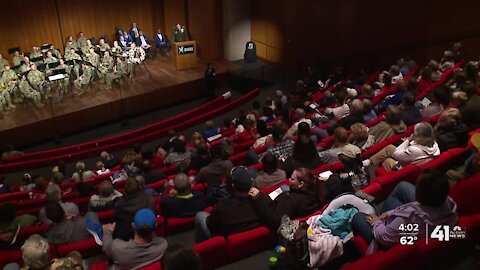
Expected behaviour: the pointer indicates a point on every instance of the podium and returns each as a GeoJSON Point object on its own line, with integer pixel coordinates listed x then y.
{"type": "Point", "coordinates": [185, 54]}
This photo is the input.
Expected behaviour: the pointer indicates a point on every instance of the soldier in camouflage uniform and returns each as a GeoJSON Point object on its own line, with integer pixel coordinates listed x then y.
{"type": "Point", "coordinates": [92, 57]}
{"type": "Point", "coordinates": [71, 44]}
{"type": "Point", "coordinates": [5, 99]}
{"type": "Point", "coordinates": [84, 79]}
{"type": "Point", "coordinates": [72, 55]}
{"type": "Point", "coordinates": [86, 49]}
{"type": "Point", "coordinates": [81, 40]}
{"type": "Point", "coordinates": [9, 78]}
{"type": "Point", "coordinates": [29, 92]}
{"type": "Point", "coordinates": [55, 52]}
{"type": "Point", "coordinates": [119, 71]}
{"type": "Point", "coordinates": [105, 66]}
{"type": "Point", "coordinates": [25, 66]}
{"type": "Point", "coordinates": [50, 58]}
{"type": "Point", "coordinates": [37, 80]}
{"type": "Point", "coordinates": [36, 54]}
{"type": "Point", "coordinates": [64, 83]}
{"type": "Point", "coordinates": [3, 63]}
{"type": "Point", "coordinates": [17, 58]}
{"type": "Point", "coordinates": [116, 49]}
{"type": "Point", "coordinates": [104, 47]}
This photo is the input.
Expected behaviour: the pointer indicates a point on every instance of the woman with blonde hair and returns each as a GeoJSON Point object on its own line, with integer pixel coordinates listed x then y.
{"type": "Point", "coordinates": [450, 131]}
{"type": "Point", "coordinates": [360, 136]}
{"type": "Point", "coordinates": [81, 172]}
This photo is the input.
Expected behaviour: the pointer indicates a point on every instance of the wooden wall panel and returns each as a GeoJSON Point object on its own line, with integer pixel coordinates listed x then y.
{"type": "Point", "coordinates": [175, 12]}
{"type": "Point", "coordinates": [26, 25]}
{"type": "Point", "coordinates": [205, 25]}
{"type": "Point", "coordinates": [96, 18]}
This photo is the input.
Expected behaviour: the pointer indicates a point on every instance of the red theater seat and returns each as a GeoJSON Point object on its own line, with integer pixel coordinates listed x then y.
{"type": "Point", "coordinates": [212, 252]}
{"type": "Point", "coordinates": [245, 244]}
{"type": "Point", "coordinates": [87, 248]}
{"type": "Point", "coordinates": [176, 225]}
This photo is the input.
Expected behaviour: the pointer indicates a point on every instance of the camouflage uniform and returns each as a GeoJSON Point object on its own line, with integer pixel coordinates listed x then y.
{"type": "Point", "coordinates": [37, 79]}
{"type": "Point", "coordinates": [93, 58]}
{"type": "Point", "coordinates": [9, 78]}
{"type": "Point", "coordinates": [17, 60]}
{"type": "Point", "coordinates": [118, 72]}
{"type": "Point", "coordinates": [3, 63]}
{"type": "Point", "coordinates": [105, 67]}
{"type": "Point", "coordinates": [104, 47]}
{"type": "Point", "coordinates": [56, 53]}
{"type": "Point", "coordinates": [81, 42]}
{"type": "Point", "coordinates": [37, 54]}
{"type": "Point", "coordinates": [71, 45]}
{"type": "Point", "coordinates": [73, 56]}
{"type": "Point", "coordinates": [29, 92]}
{"type": "Point", "coordinates": [83, 80]}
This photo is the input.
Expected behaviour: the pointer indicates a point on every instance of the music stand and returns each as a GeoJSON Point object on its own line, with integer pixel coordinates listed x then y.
{"type": "Point", "coordinates": [53, 65]}
{"type": "Point", "coordinates": [37, 59]}
{"type": "Point", "coordinates": [41, 67]}
{"type": "Point", "coordinates": [57, 75]}
{"type": "Point", "coordinates": [45, 47]}
{"type": "Point", "coordinates": [13, 50]}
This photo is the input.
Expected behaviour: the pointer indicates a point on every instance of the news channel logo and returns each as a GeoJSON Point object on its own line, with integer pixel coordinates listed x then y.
{"type": "Point", "coordinates": [411, 232]}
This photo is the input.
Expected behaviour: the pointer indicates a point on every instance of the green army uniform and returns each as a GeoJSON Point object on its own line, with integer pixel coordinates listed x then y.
{"type": "Point", "coordinates": [47, 61]}
{"type": "Point", "coordinates": [24, 68]}
{"type": "Point", "coordinates": [17, 60]}
{"type": "Point", "coordinates": [85, 49]}
{"type": "Point", "coordinates": [36, 54]}
{"type": "Point", "coordinates": [31, 93]}
{"type": "Point", "coordinates": [56, 53]}
{"type": "Point", "coordinates": [117, 51]}
{"type": "Point", "coordinates": [104, 47]}
{"type": "Point", "coordinates": [69, 46]}
{"type": "Point", "coordinates": [83, 80]}
{"type": "Point", "coordinates": [118, 73]}
{"type": "Point", "coordinates": [81, 42]}
{"type": "Point", "coordinates": [5, 99]}
{"type": "Point", "coordinates": [180, 36]}
{"type": "Point", "coordinates": [65, 82]}
{"type": "Point", "coordinates": [3, 63]}
{"type": "Point", "coordinates": [9, 78]}
{"type": "Point", "coordinates": [93, 58]}
{"type": "Point", "coordinates": [37, 79]}
{"type": "Point", "coordinates": [73, 56]}
{"type": "Point", "coordinates": [105, 67]}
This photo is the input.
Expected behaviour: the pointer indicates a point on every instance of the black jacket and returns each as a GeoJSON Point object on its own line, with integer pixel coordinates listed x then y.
{"type": "Point", "coordinates": [348, 121]}
{"type": "Point", "coordinates": [295, 203]}
{"type": "Point", "coordinates": [411, 115]}
{"type": "Point", "coordinates": [183, 207]}
{"type": "Point", "coordinates": [453, 136]}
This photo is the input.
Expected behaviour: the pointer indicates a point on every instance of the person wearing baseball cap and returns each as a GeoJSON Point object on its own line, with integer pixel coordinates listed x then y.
{"type": "Point", "coordinates": [232, 215]}
{"type": "Point", "coordinates": [144, 249]}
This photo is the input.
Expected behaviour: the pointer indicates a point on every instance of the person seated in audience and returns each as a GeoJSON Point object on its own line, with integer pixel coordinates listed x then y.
{"type": "Point", "coordinates": [148, 190]}
{"type": "Point", "coordinates": [471, 164]}
{"type": "Point", "coordinates": [144, 249]}
{"type": "Point", "coordinates": [340, 140]}
{"type": "Point", "coordinates": [410, 113]}
{"type": "Point", "coordinates": [458, 81]}
{"type": "Point", "coordinates": [459, 98]}
{"type": "Point", "coordinates": [182, 201]}
{"type": "Point", "coordinates": [300, 200]}
{"type": "Point", "coordinates": [366, 92]}
{"type": "Point", "coordinates": [245, 131]}
{"type": "Point", "coordinates": [67, 230]}
{"type": "Point", "coordinates": [126, 207]}
{"type": "Point", "coordinates": [81, 173]}
{"type": "Point", "coordinates": [179, 155]}
{"type": "Point", "coordinates": [340, 109]}
{"type": "Point", "coordinates": [395, 99]}
{"type": "Point", "coordinates": [201, 157]}
{"type": "Point", "coordinates": [108, 159]}
{"type": "Point", "coordinates": [360, 137]}
{"type": "Point", "coordinates": [419, 148]}
{"type": "Point", "coordinates": [270, 174]}
{"type": "Point", "coordinates": [300, 116]}
{"type": "Point", "coordinates": [396, 74]}
{"type": "Point", "coordinates": [106, 198]}
{"type": "Point", "coordinates": [447, 61]}
{"type": "Point", "coordinates": [27, 182]}
{"type": "Point", "coordinates": [10, 224]}
{"type": "Point", "coordinates": [101, 168]}
{"type": "Point", "coordinates": [151, 174]}
{"type": "Point", "coordinates": [426, 203]}
{"type": "Point", "coordinates": [304, 155]}
{"type": "Point", "coordinates": [471, 110]}
{"type": "Point", "coordinates": [405, 65]}
{"type": "Point", "coordinates": [210, 130]}
{"type": "Point", "coordinates": [369, 113]}
{"type": "Point", "coordinates": [450, 131]}
{"type": "Point", "coordinates": [196, 139]}
{"type": "Point", "coordinates": [158, 158]}
{"type": "Point", "coordinates": [180, 257]}
{"type": "Point", "coordinates": [392, 125]}
{"type": "Point", "coordinates": [471, 71]}
{"type": "Point", "coordinates": [435, 68]}
{"type": "Point", "coordinates": [440, 100]}
{"type": "Point", "coordinates": [355, 116]}
{"type": "Point", "coordinates": [41, 184]}
{"type": "Point", "coordinates": [424, 80]}
{"type": "Point", "coordinates": [268, 115]}
{"type": "Point", "coordinates": [59, 179]}
{"type": "Point", "coordinates": [54, 195]}
{"type": "Point", "coordinates": [232, 215]}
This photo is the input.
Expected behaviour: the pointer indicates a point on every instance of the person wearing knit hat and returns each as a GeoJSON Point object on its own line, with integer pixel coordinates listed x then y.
{"type": "Point", "coordinates": [471, 164]}
{"type": "Point", "coordinates": [232, 215]}
{"type": "Point", "coordinates": [144, 249]}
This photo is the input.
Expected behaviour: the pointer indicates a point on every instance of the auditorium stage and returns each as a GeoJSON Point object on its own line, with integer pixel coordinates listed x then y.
{"type": "Point", "coordinates": [27, 124]}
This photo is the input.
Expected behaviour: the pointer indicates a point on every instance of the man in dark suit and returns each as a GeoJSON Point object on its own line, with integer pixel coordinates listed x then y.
{"type": "Point", "coordinates": [161, 42]}
{"type": "Point", "coordinates": [135, 34]}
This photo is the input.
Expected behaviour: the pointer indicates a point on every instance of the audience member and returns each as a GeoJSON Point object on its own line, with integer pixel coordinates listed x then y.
{"type": "Point", "coordinates": [27, 182]}
{"type": "Point", "coordinates": [392, 125]}
{"type": "Point", "coordinates": [471, 164]}
{"type": "Point", "coordinates": [58, 178]}
{"type": "Point", "coordinates": [270, 174]}
{"type": "Point", "coordinates": [81, 173]}
{"type": "Point", "coordinates": [356, 116]}
{"type": "Point", "coordinates": [183, 202]}
{"type": "Point", "coordinates": [216, 171]}
{"type": "Point", "coordinates": [427, 203]}
{"type": "Point", "coordinates": [210, 130]}
{"type": "Point", "coordinates": [179, 155]}
{"type": "Point", "coordinates": [360, 137]}
{"type": "Point", "coordinates": [410, 113]}
{"type": "Point", "coordinates": [10, 224]}
{"type": "Point", "coordinates": [340, 136]}
{"type": "Point", "coordinates": [180, 257]}
{"type": "Point", "coordinates": [126, 207]}
{"type": "Point", "coordinates": [450, 132]}
{"type": "Point", "coordinates": [54, 195]}
{"type": "Point", "coordinates": [144, 249]}
{"type": "Point", "coordinates": [368, 113]}
{"type": "Point", "coordinates": [419, 148]}
{"type": "Point", "coordinates": [435, 68]}
{"type": "Point", "coordinates": [202, 157]}
{"type": "Point", "coordinates": [471, 110]}
{"type": "Point", "coordinates": [304, 155]}
{"type": "Point", "coordinates": [151, 174]}
{"type": "Point", "coordinates": [106, 198]}
{"type": "Point", "coordinates": [440, 100]}
{"type": "Point", "coordinates": [299, 201]}
{"type": "Point", "coordinates": [232, 215]}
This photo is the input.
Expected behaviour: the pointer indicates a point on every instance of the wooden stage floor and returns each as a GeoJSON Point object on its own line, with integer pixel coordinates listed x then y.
{"type": "Point", "coordinates": [166, 86]}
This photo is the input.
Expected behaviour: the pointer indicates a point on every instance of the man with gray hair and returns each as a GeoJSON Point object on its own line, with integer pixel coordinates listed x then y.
{"type": "Point", "coordinates": [355, 116]}
{"type": "Point", "coordinates": [182, 202]}
{"type": "Point", "coordinates": [35, 254]}
{"type": "Point", "coordinates": [54, 194]}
